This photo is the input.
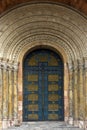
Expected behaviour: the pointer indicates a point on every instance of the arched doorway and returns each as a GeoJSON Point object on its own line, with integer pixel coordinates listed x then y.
{"type": "Point", "coordinates": [43, 92]}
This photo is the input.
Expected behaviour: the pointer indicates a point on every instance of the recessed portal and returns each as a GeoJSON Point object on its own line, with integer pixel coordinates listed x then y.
{"type": "Point", "coordinates": [43, 92]}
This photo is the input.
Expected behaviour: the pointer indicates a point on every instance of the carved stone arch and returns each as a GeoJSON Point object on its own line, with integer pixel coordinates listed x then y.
{"type": "Point", "coordinates": [62, 32]}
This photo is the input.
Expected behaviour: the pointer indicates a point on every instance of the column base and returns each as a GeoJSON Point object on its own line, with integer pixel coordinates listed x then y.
{"type": "Point", "coordinates": [70, 120]}
{"type": "Point", "coordinates": [17, 122]}
{"type": "Point", "coordinates": [5, 123]}
{"type": "Point", "coordinates": [66, 119]}
{"type": "Point", "coordinates": [0, 124]}
{"type": "Point", "coordinates": [85, 124]}
{"type": "Point", "coordinates": [76, 123]}
{"type": "Point", "coordinates": [81, 124]}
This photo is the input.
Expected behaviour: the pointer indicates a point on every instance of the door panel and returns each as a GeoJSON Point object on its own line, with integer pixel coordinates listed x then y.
{"type": "Point", "coordinates": [43, 86]}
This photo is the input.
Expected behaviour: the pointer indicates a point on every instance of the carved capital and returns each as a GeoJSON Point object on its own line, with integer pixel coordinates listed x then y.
{"type": "Point", "coordinates": [85, 63]}
{"type": "Point", "coordinates": [75, 63]}
{"type": "Point", "coordinates": [15, 65]}
{"type": "Point", "coordinates": [80, 64]}
{"type": "Point", "coordinates": [10, 65]}
{"type": "Point", "coordinates": [71, 66]}
{"type": "Point", "coordinates": [3, 63]}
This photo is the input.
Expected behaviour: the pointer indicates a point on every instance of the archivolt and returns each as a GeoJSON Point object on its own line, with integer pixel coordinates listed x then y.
{"type": "Point", "coordinates": [53, 24]}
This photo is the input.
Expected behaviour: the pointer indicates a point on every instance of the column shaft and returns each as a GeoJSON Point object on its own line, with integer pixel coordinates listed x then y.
{"type": "Point", "coordinates": [75, 93]}
{"type": "Point", "coordinates": [71, 95]}
{"type": "Point", "coordinates": [10, 103]}
{"type": "Point", "coordinates": [81, 93]}
{"type": "Point", "coordinates": [0, 93]}
{"type": "Point", "coordinates": [5, 93]}
{"type": "Point", "coordinates": [85, 90]}
{"type": "Point", "coordinates": [15, 94]}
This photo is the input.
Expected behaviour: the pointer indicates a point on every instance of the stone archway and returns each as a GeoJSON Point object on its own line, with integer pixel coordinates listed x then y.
{"type": "Point", "coordinates": [52, 26]}
{"type": "Point", "coordinates": [66, 76]}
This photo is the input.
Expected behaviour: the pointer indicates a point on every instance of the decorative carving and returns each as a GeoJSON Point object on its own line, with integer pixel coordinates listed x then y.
{"type": "Point", "coordinates": [33, 107]}
{"type": "Point", "coordinates": [32, 77]}
{"type": "Point", "coordinates": [33, 61]}
{"type": "Point", "coordinates": [53, 87]}
{"type": "Point", "coordinates": [53, 107]}
{"type": "Point", "coordinates": [32, 88]}
{"type": "Point", "coordinates": [53, 97]}
{"type": "Point", "coordinates": [85, 63]}
{"type": "Point", "coordinates": [50, 30]}
{"type": "Point", "coordinates": [53, 116]}
{"type": "Point", "coordinates": [33, 116]}
{"type": "Point", "coordinates": [53, 61]}
{"type": "Point", "coordinates": [33, 97]}
{"type": "Point", "coordinates": [53, 77]}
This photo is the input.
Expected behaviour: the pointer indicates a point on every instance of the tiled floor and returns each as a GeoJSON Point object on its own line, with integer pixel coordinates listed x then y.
{"type": "Point", "coordinates": [44, 126]}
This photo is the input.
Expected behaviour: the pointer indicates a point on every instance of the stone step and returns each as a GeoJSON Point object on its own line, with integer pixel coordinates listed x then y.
{"type": "Point", "coordinates": [44, 126]}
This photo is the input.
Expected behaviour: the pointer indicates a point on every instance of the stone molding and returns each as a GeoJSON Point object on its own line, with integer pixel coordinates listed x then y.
{"type": "Point", "coordinates": [8, 65]}
{"type": "Point", "coordinates": [53, 21]}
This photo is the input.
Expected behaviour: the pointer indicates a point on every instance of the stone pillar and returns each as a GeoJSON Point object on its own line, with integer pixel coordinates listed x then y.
{"type": "Point", "coordinates": [81, 102]}
{"type": "Point", "coordinates": [8, 93]}
{"type": "Point", "coordinates": [5, 94]}
{"type": "Point", "coordinates": [75, 94]}
{"type": "Point", "coordinates": [70, 93]}
{"type": "Point", "coordinates": [10, 97]}
{"type": "Point", "coordinates": [15, 94]}
{"type": "Point", "coordinates": [85, 90]}
{"type": "Point", "coordinates": [0, 95]}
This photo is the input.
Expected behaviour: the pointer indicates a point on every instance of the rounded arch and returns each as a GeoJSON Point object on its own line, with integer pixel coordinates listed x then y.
{"type": "Point", "coordinates": [30, 26]}
{"type": "Point", "coordinates": [57, 50]}
{"type": "Point", "coordinates": [49, 46]}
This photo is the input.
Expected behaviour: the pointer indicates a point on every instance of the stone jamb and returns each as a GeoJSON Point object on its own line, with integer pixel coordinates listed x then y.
{"type": "Point", "coordinates": [70, 92]}
{"type": "Point", "coordinates": [75, 93]}
{"type": "Point", "coordinates": [15, 71]}
{"type": "Point", "coordinates": [81, 101]}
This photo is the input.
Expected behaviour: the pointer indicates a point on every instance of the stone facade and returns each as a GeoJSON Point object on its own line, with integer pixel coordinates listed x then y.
{"type": "Point", "coordinates": [8, 95]}
{"type": "Point", "coordinates": [43, 25]}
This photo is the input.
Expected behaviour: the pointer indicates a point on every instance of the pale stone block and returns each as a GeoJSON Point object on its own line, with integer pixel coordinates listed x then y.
{"type": "Point", "coordinates": [5, 123]}
{"type": "Point", "coordinates": [70, 120]}
{"type": "Point", "coordinates": [76, 124]}
{"type": "Point", "coordinates": [81, 124]}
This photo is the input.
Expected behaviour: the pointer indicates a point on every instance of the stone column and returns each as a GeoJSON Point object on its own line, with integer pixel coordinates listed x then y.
{"type": "Point", "coordinates": [81, 103]}
{"type": "Point", "coordinates": [15, 94]}
{"type": "Point", "coordinates": [70, 93]}
{"type": "Point", "coordinates": [5, 94]}
{"type": "Point", "coordinates": [10, 90]}
{"type": "Point", "coordinates": [75, 93]}
{"type": "Point", "coordinates": [85, 90]}
{"type": "Point", "coordinates": [0, 95]}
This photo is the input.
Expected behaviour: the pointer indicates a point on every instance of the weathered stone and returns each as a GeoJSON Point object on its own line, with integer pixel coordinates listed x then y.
{"type": "Point", "coordinates": [50, 26]}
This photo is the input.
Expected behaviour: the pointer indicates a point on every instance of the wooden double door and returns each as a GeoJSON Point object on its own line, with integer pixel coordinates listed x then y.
{"type": "Point", "coordinates": [43, 96]}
